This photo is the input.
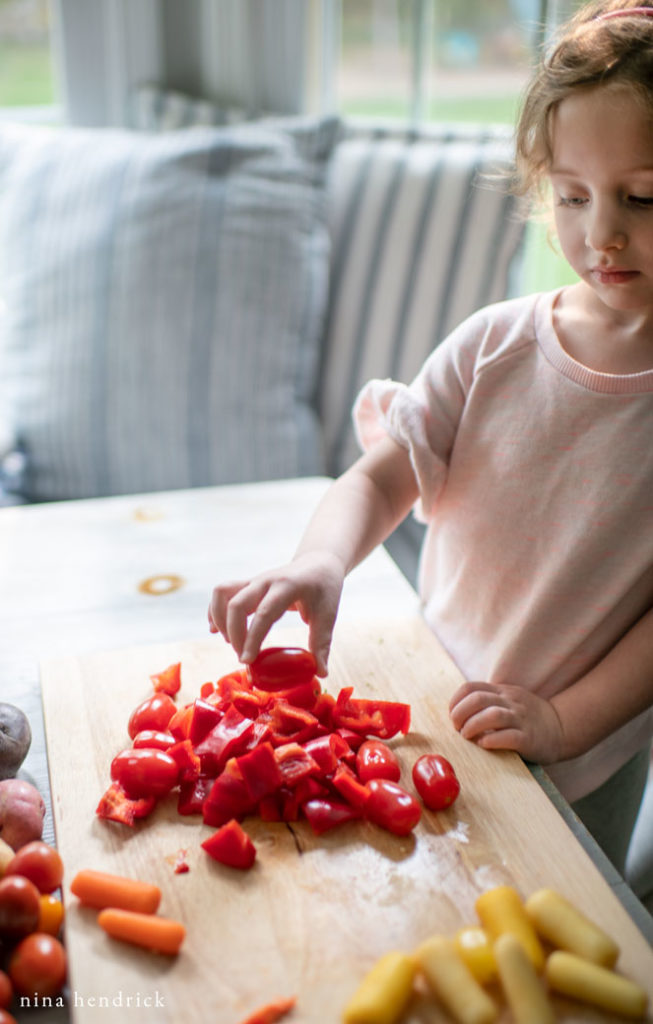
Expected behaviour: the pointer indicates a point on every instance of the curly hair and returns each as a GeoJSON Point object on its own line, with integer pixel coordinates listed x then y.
{"type": "Point", "coordinates": [591, 50]}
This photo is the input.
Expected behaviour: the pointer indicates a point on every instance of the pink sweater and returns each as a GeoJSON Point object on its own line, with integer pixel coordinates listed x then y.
{"type": "Point", "coordinates": [536, 483]}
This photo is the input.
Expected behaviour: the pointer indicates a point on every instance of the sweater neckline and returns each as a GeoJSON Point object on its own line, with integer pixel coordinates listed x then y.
{"type": "Point", "coordinates": [592, 380]}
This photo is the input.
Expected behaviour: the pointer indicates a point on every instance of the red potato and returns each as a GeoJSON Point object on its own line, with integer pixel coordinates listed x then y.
{"type": "Point", "coordinates": [22, 811]}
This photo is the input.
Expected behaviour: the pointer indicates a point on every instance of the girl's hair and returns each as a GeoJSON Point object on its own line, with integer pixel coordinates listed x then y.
{"type": "Point", "coordinates": [591, 50]}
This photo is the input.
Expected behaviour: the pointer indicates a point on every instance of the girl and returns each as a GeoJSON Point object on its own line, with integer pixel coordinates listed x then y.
{"type": "Point", "coordinates": [526, 444]}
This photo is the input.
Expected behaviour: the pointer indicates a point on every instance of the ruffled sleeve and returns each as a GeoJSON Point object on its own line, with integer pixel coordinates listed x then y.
{"type": "Point", "coordinates": [386, 407]}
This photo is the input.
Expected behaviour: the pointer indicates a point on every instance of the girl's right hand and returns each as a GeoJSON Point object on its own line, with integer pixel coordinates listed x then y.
{"type": "Point", "coordinates": [244, 610]}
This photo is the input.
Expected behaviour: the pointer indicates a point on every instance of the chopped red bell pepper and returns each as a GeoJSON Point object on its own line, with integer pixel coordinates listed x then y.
{"type": "Point", "coordinates": [381, 718]}
{"type": "Point", "coordinates": [327, 751]}
{"type": "Point", "coordinates": [291, 723]}
{"type": "Point", "coordinates": [115, 805]}
{"type": "Point", "coordinates": [324, 813]}
{"type": "Point", "coordinates": [260, 771]}
{"type": "Point", "coordinates": [188, 761]}
{"type": "Point", "coordinates": [323, 709]}
{"type": "Point", "coordinates": [169, 680]}
{"type": "Point", "coordinates": [232, 846]}
{"type": "Point", "coordinates": [202, 720]}
{"type": "Point", "coordinates": [206, 689]}
{"type": "Point", "coordinates": [192, 794]}
{"type": "Point", "coordinates": [179, 724]}
{"type": "Point", "coordinates": [350, 787]}
{"type": "Point", "coordinates": [295, 763]}
{"type": "Point", "coordinates": [228, 798]}
{"type": "Point", "coordinates": [226, 739]}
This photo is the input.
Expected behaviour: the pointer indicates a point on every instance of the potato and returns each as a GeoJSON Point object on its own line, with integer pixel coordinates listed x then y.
{"type": "Point", "coordinates": [15, 739]}
{"type": "Point", "coordinates": [22, 811]}
{"type": "Point", "coordinates": [6, 854]}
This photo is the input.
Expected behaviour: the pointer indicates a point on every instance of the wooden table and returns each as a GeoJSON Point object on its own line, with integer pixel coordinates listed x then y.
{"type": "Point", "coordinates": [71, 578]}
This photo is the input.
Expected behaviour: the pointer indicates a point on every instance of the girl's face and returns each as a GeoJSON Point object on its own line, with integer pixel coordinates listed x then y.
{"type": "Point", "coordinates": [602, 179]}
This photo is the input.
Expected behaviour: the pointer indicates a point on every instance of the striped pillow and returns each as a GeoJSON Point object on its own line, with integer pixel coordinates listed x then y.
{"type": "Point", "coordinates": [420, 240]}
{"type": "Point", "coordinates": [164, 301]}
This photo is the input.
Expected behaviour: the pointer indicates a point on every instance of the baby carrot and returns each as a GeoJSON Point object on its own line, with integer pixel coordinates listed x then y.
{"type": "Point", "coordinates": [160, 934]}
{"type": "Point", "coordinates": [99, 889]}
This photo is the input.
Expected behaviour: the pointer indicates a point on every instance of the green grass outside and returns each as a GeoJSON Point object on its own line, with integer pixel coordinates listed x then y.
{"type": "Point", "coordinates": [26, 77]}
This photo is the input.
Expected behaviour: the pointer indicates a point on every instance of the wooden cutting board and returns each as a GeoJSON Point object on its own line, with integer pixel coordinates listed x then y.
{"type": "Point", "coordinates": [315, 912]}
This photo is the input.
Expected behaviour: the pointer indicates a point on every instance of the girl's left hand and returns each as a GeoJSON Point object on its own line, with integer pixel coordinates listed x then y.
{"type": "Point", "coordinates": [505, 717]}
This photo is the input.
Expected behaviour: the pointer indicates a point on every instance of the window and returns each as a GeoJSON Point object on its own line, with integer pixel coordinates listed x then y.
{"type": "Point", "coordinates": [27, 81]}
{"type": "Point", "coordinates": [440, 59]}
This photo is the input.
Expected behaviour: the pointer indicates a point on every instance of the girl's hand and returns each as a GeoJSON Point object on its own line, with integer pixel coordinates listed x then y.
{"type": "Point", "coordinates": [244, 610]}
{"type": "Point", "coordinates": [504, 717]}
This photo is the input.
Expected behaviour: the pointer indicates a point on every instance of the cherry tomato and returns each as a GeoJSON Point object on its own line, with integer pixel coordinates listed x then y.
{"type": "Point", "coordinates": [154, 738]}
{"type": "Point", "coordinates": [38, 862]}
{"type": "Point", "coordinates": [375, 760]}
{"type": "Point", "coordinates": [391, 807]}
{"type": "Point", "coordinates": [145, 772]}
{"type": "Point", "coordinates": [153, 713]}
{"type": "Point", "coordinates": [278, 668]}
{"type": "Point", "coordinates": [37, 966]}
{"type": "Point", "coordinates": [435, 781]}
{"type": "Point", "coordinates": [7, 1018]}
{"type": "Point", "coordinates": [19, 907]}
{"type": "Point", "coordinates": [50, 914]}
{"type": "Point", "coordinates": [6, 991]}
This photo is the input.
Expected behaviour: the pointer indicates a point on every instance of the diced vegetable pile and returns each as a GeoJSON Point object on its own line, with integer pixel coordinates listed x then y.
{"type": "Point", "coordinates": [267, 740]}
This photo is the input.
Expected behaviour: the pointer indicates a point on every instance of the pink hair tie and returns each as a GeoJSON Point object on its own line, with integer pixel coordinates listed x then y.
{"type": "Point", "coordinates": [625, 12]}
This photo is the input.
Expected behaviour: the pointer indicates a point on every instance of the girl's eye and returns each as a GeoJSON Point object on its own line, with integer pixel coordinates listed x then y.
{"type": "Point", "coordinates": [641, 200]}
{"type": "Point", "coordinates": [571, 200]}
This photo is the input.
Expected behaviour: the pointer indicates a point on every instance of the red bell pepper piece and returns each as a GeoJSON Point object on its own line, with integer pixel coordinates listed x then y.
{"type": "Point", "coordinates": [327, 751]}
{"type": "Point", "coordinates": [295, 763]}
{"type": "Point", "coordinates": [228, 798]}
{"type": "Point", "coordinates": [206, 689]}
{"type": "Point", "coordinates": [179, 724]}
{"type": "Point", "coordinates": [260, 771]}
{"type": "Point", "coordinates": [350, 787]}
{"type": "Point", "coordinates": [290, 723]}
{"type": "Point", "coordinates": [188, 761]}
{"type": "Point", "coordinates": [202, 720]}
{"type": "Point", "coordinates": [168, 681]}
{"type": "Point", "coordinates": [232, 846]}
{"type": "Point", "coordinates": [115, 805]}
{"type": "Point", "coordinates": [193, 793]}
{"type": "Point", "coordinates": [226, 739]}
{"type": "Point", "coordinates": [324, 813]}
{"type": "Point", "coordinates": [381, 718]}
{"type": "Point", "coordinates": [323, 709]}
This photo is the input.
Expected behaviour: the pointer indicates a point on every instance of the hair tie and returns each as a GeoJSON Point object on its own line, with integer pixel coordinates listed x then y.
{"type": "Point", "coordinates": [625, 12]}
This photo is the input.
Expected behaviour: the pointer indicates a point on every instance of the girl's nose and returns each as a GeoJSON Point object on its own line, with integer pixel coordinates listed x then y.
{"type": "Point", "coordinates": [604, 228]}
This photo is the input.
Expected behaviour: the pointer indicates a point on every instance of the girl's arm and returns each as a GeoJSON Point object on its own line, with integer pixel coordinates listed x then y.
{"type": "Point", "coordinates": [510, 717]}
{"type": "Point", "coordinates": [360, 509]}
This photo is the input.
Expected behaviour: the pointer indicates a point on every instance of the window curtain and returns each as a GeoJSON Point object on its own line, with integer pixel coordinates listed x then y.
{"type": "Point", "coordinates": [261, 55]}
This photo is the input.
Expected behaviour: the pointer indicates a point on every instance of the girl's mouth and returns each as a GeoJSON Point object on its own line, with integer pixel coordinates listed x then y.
{"type": "Point", "coordinates": [606, 275]}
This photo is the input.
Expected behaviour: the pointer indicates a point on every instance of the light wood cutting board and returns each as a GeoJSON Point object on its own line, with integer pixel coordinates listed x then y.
{"type": "Point", "coordinates": [315, 912]}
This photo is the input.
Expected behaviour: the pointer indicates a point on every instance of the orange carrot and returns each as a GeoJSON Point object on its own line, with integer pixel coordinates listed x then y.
{"type": "Point", "coordinates": [160, 934]}
{"type": "Point", "coordinates": [271, 1012]}
{"type": "Point", "coordinates": [99, 889]}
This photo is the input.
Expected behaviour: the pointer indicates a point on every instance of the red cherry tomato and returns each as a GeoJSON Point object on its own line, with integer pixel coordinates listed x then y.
{"type": "Point", "coordinates": [391, 807]}
{"type": "Point", "coordinates": [145, 772]}
{"type": "Point", "coordinates": [153, 713]}
{"type": "Point", "coordinates": [6, 991]}
{"type": "Point", "coordinates": [7, 1018]}
{"type": "Point", "coordinates": [154, 738]}
{"type": "Point", "coordinates": [375, 760]}
{"type": "Point", "coordinates": [38, 862]}
{"type": "Point", "coordinates": [435, 781]}
{"type": "Point", "coordinates": [37, 966]}
{"type": "Point", "coordinates": [278, 668]}
{"type": "Point", "coordinates": [19, 907]}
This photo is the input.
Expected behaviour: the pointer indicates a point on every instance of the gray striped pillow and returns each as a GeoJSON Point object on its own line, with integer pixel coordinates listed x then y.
{"type": "Point", "coordinates": [420, 239]}
{"type": "Point", "coordinates": [164, 301]}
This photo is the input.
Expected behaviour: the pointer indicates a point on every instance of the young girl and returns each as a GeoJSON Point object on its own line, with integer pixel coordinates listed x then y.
{"type": "Point", "coordinates": [526, 444]}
